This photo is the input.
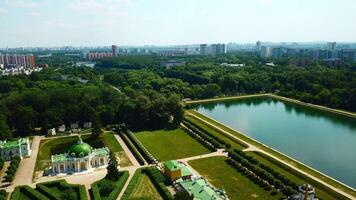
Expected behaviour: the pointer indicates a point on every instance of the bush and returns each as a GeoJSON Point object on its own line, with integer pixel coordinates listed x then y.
{"type": "Point", "coordinates": [9, 178]}
{"type": "Point", "coordinates": [102, 187]}
{"type": "Point", "coordinates": [62, 185]}
{"type": "Point", "coordinates": [28, 192]}
{"type": "Point", "coordinates": [158, 179]}
{"type": "Point", "coordinates": [69, 194]}
{"type": "Point", "coordinates": [133, 149]}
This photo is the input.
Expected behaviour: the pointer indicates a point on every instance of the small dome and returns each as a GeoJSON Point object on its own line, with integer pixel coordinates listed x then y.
{"type": "Point", "coordinates": [81, 149]}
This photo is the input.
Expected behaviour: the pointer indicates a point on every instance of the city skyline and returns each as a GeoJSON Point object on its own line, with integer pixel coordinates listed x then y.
{"type": "Point", "coordinates": [137, 23]}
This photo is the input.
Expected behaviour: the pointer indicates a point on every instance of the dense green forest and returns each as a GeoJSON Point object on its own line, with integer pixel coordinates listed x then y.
{"type": "Point", "coordinates": [147, 95]}
{"type": "Point", "coordinates": [51, 98]}
{"type": "Point", "coordinates": [203, 77]}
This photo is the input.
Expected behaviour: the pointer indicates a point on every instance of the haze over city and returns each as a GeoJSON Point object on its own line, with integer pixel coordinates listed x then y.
{"type": "Point", "coordinates": [161, 22]}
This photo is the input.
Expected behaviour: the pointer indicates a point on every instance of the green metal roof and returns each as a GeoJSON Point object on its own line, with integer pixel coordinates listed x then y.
{"type": "Point", "coordinates": [201, 190]}
{"type": "Point", "coordinates": [13, 144]}
{"type": "Point", "coordinates": [100, 151]}
{"type": "Point", "coordinates": [59, 158]}
{"type": "Point", "coordinates": [172, 165]}
{"type": "Point", "coordinates": [186, 171]}
{"type": "Point", "coordinates": [81, 149]}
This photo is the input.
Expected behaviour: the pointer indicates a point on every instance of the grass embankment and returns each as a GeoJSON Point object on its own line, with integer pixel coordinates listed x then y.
{"type": "Point", "coordinates": [236, 185]}
{"type": "Point", "coordinates": [284, 169]}
{"type": "Point", "coordinates": [170, 144]}
{"type": "Point", "coordinates": [224, 99]}
{"type": "Point", "coordinates": [60, 145]}
{"type": "Point", "coordinates": [141, 187]}
{"type": "Point", "coordinates": [234, 143]}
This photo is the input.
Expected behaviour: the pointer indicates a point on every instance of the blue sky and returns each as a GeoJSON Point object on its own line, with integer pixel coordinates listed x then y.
{"type": "Point", "coordinates": [163, 22]}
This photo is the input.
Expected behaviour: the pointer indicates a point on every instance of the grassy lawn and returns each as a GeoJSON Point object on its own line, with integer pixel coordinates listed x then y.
{"type": "Point", "coordinates": [234, 144]}
{"type": "Point", "coordinates": [60, 145]}
{"type": "Point", "coordinates": [170, 144]}
{"type": "Point", "coordinates": [299, 178]}
{"type": "Point", "coordinates": [144, 188]}
{"type": "Point", "coordinates": [236, 185]}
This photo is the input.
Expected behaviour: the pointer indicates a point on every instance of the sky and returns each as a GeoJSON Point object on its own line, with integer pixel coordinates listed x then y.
{"type": "Point", "coordinates": [26, 23]}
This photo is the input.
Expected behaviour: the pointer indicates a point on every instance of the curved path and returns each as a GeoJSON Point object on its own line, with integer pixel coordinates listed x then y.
{"type": "Point", "coordinates": [255, 148]}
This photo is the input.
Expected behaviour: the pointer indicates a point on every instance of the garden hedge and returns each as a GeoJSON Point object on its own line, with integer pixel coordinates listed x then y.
{"type": "Point", "coordinates": [133, 149]}
{"type": "Point", "coordinates": [28, 191]}
{"type": "Point", "coordinates": [62, 184]}
{"type": "Point", "coordinates": [115, 193]}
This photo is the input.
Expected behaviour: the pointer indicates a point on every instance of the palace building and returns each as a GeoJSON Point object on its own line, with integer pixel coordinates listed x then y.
{"type": "Point", "coordinates": [80, 157]}
{"type": "Point", "coordinates": [10, 149]}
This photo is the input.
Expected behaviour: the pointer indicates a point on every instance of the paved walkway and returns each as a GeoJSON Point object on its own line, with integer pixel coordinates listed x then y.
{"type": "Point", "coordinates": [25, 171]}
{"type": "Point", "coordinates": [255, 148]}
{"type": "Point", "coordinates": [127, 151]}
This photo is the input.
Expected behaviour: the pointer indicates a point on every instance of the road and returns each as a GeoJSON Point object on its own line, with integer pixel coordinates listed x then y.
{"type": "Point", "coordinates": [255, 148]}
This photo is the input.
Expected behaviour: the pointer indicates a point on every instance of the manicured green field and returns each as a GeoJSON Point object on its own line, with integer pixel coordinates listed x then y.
{"type": "Point", "coordinates": [236, 185]}
{"type": "Point", "coordinates": [144, 189]}
{"type": "Point", "coordinates": [171, 144]}
{"type": "Point", "coordinates": [60, 145]}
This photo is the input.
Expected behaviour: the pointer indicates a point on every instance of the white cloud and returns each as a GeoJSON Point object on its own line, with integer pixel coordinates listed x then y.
{"type": "Point", "coordinates": [35, 14]}
{"type": "Point", "coordinates": [266, 1]}
{"type": "Point", "coordinates": [107, 8]}
{"type": "Point", "coordinates": [22, 3]}
{"type": "Point", "coordinates": [3, 12]}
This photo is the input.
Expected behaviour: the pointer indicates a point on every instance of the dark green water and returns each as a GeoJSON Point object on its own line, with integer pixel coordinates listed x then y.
{"type": "Point", "coordinates": [322, 140]}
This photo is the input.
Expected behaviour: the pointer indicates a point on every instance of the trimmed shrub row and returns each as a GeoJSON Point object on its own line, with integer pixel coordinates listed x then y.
{"type": "Point", "coordinates": [158, 180]}
{"type": "Point", "coordinates": [3, 194]}
{"type": "Point", "coordinates": [204, 136]}
{"type": "Point", "coordinates": [27, 191]}
{"type": "Point", "coordinates": [133, 149]}
{"type": "Point", "coordinates": [280, 177]}
{"type": "Point", "coordinates": [144, 152]}
{"type": "Point", "coordinates": [98, 187]}
{"type": "Point", "coordinates": [132, 184]}
{"type": "Point", "coordinates": [11, 170]}
{"type": "Point", "coordinates": [201, 140]}
{"type": "Point", "coordinates": [218, 139]}
{"type": "Point", "coordinates": [2, 162]}
{"type": "Point", "coordinates": [242, 165]}
{"type": "Point", "coordinates": [251, 159]}
{"type": "Point", "coordinates": [77, 190]}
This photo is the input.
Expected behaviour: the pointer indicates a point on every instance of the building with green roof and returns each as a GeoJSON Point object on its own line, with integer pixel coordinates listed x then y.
{"type": "Point", "coordinates": [175, 170]}
{"type": "Point", "coordinates": [10, 149]}
{"type": "Point", "coordinates": [200, 189]}
{"type": "Point", "coordinates": [80, 157]}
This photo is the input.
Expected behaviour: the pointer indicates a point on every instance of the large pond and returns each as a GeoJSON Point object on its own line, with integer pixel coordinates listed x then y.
{"type": "Point", "coordinates": [322, 140]}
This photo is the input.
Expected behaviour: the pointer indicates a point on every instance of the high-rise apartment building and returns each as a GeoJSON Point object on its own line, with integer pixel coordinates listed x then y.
{"type": "Point", "coordinates": [98, 55]}
{"type": "Point", "coordinates": [203, 49]}
{"type": "Point", "coordinates": [114, 50]}
{"type": "Point", "coordinates": [331, 46]}
{"type": "Point", "coordinates": [218, 49]}
{"type": "Point", "coordinates": [27, 61]}
{"type": "Point", "coordinates": [258, 45]}
{"type": "Point", "coordinates": [266, 52]}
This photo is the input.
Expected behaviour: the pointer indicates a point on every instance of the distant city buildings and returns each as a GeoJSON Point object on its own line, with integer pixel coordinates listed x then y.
{"type": "Point", "coordinates": [114, 50]}
{"type": "Point", "coordinates": [329, 53]}
{"type": "Point", "coordinates": [203, 49]}
{"type": "Point", "coordinates": [172, 63]}
{"type": "Point", "coordinates": [213, 49]}
{"type": "Point", "coordinates": [16, 60]}
{"type": "Point", "coordinates": [15, 64]}
{"type": "Point", "coordinates": [98, 55]}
